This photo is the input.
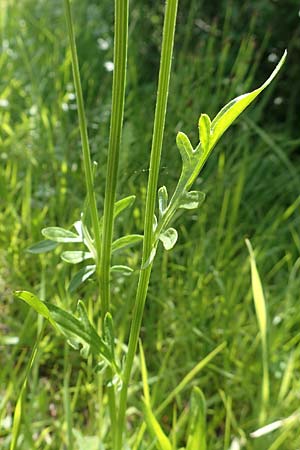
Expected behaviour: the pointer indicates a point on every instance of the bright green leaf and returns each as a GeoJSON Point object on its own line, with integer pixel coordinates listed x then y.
{"type": "Point", "coordinates": [197, 422]}
{"type": "Point", "coordinates": [60, 235]}
{"type": "Point", "coordinates": [169, 238]}
{"type": "Point", "coordinates": [235, 107]}
{"type": "Point", "coordinates": [163, 442]}
{"type": "Point", "coordinates": [191, 200]}
{"type": "Point", "coordinates": [204, 132]}
{"type": "Point", "coordinates": [162, 200]}
{"type": "Point", "coordinates": [39, 306]}
{"type": "Point", "coordinates": [123, 204]}
{"type": "Point", "coordinates": [185, 147]}
{"type": "Point", "coordinates": [75, 257]}
{"type": "Point", "coordinates": [42, 247]}
{"type": "Point", "coordinates": [126, 241]}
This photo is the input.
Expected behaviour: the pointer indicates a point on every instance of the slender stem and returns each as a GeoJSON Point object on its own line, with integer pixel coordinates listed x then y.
{"type": "Point", "coordinates": [116, 123]}
{"type": "Point", "coordinates": [159, 124]}
{"type": "Point", "coordinates": [88, 170]}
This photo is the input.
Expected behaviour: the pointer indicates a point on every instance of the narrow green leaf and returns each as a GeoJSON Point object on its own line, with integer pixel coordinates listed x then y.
{"type": "Point", "coordinates": [39, 306]}
{"type": "Point", "coordinates": [126, 241]}
{"type": "Point", "coordinates": [42, 247]}
{"type": "Point", "coordinates": [75, 257]}
{"type": "Point", "coordinates": [144, 374]}
{"type": "Point", "coordinates": [60, 235]}
{"type": "Point", "coordinates": [197, 423]}
{"type": "Point", "coordinates": [258, 295]}
{"type": "Point", "coordinates": [79, 330]}
{"type": "Point", "coordinates": [235, 107]}
{"type": "Point", "coordinates": [205, 132]}
{"type": "Point", "coordinates": [162, 200]}
{"type": "Point", "coordinates": [261, 315]}
{"type": "Point", "coordinates": [81, 276]}
{"type": "Point", "coordinates": [169, 238]}
{"type": "Point", "coordinates": [123, 204]}
{"type": "Point", "coordinates": [191, 200]}
{"type": "Point", "coordinates": [125, 270]}
{"type": "Point", "coordinates": [163, 442]}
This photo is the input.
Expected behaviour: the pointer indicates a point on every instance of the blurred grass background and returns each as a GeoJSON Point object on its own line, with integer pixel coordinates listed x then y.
{"type": "Point", "coordinates": [200, 293]}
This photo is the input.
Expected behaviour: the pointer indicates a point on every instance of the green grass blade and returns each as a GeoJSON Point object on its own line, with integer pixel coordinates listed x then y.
{"type": "Point", "coordinates": [261, 314]}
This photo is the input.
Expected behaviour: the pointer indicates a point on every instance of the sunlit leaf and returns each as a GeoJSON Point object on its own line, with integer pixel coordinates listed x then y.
{"type": "Point", "coordinates": [75, 257]}
{"type": "Point", "coordinates": [197, 422]}
{"type": "Point", "coordinates": [39, 306]}
{"type": "Point", "coordinates": [169, 238]}
{"type": "Point", "coordinates": [205, 131]}
{"type": "Point", "coordinates": [235, 107]}
{"type": "Point", "coordinates": [60, 235]}
{"type": "Point", "coordinates": [191, 200]}
{"type": "Point", "coordinates": [162, 200]}
{"type": "Point", "coordinates": [163, 442]}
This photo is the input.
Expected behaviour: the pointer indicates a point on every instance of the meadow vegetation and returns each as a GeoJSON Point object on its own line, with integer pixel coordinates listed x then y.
{"type": "Point", "coordinates": [219, 353]}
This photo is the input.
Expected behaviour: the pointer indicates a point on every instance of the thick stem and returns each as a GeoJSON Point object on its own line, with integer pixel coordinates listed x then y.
{"type": "Point", "coordinates": [159, 124]}
{"type": "Point", "coordinates": [116, 123]}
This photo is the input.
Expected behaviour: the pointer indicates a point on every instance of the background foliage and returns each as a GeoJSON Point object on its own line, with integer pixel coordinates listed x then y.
{"type": "Point", "coordinates": [200, 294]}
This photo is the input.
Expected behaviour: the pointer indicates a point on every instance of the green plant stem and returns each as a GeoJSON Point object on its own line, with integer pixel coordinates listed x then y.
{"type": "Point", "coordinates": [159, 124]}
{"type": "Point", "coordinates": [88, 169]}
{"type": "Point", "coordinates": [116, 123]}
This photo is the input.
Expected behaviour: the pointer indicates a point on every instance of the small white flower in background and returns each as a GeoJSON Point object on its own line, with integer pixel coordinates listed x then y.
{"type": "Point", "coordinates": [278, 101]}
{"type": "Point", "coordinates": [65, 106]}
{"type": "Point", "coordinates": [33, 110]}
{"type": "Point", "coordinates": [272, 57]}
{"type": "Point", "coordinates": [109, 66]}
{"type": "Point", "coordinates": [102, 44]}
{"type": "Point", "coordinates": [4, 103]}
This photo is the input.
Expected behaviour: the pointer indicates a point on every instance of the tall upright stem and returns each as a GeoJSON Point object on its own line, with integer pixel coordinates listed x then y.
{"type": "Point", "coordinates": [158, 131]}
{"type": "Point", "coordinates": [87, 163]}
{"type": "Point", "coordinates": [116, 123]}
